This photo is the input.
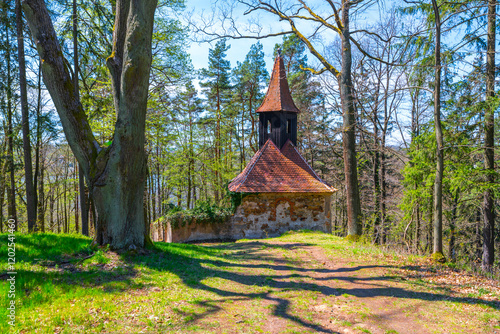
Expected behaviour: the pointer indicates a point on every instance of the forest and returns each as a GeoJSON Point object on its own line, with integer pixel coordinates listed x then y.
{"type": "Point", "coordinates": [399, 112]}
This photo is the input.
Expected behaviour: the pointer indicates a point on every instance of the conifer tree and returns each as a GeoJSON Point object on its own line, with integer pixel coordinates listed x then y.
{"type": "Point", "coordinates": [250, 77]}
{"type": "Point", "coordinates": [216, 84]}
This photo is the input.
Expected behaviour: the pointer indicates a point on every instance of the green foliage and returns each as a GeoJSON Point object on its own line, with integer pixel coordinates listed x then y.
{"type": "Point", "coordinates": [236, 198]}
{"type": "Point", "coordinates": [216, 80]}
{"type": "Point", "coordinates": [204, 212]}
{"type": "Point", "coordinates": [438, 257]}
{"type": "Point", "coordinates": [353, 237]}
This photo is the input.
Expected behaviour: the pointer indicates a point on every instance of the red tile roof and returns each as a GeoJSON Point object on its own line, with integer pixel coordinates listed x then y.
{"type": "Point", "coordinates": [278, 97]}
{"type": "Point", "coordinates": [275, 171]}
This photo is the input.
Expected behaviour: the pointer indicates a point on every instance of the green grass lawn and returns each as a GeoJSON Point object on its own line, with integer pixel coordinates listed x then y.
{"type": "Point", "coordinates": [64, 285]}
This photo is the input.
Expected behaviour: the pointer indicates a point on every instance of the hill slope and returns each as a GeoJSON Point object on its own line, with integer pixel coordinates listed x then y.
{"type": "Point", "coordinates": [298, 283]}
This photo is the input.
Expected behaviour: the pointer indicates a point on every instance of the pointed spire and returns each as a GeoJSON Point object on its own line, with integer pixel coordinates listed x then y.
{"type": "Point", "coordinates": [278, 97]}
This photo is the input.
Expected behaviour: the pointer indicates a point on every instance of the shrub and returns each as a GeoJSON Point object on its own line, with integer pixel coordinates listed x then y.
{"type": "Point", "coordinates": [204, 212]}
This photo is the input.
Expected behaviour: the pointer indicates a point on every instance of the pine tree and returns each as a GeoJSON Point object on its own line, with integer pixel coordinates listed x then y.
{"type": "Point", "coordinates": [250, 77]}
{"type": "Point", "coordinates": [216, 84]}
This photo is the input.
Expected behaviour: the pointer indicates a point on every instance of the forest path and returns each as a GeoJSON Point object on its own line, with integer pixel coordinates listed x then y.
{"type": "Point", "coordinates": [301, 282]}
{"type": "Point", "coordinates": [292, 285]}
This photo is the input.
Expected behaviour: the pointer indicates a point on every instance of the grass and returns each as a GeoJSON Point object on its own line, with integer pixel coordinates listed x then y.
{"type": "Point", "coordinates": [65, 285]}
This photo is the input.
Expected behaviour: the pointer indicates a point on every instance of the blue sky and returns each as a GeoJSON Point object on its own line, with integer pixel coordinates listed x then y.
{"type": "Point", "coordinates": [239, 47]}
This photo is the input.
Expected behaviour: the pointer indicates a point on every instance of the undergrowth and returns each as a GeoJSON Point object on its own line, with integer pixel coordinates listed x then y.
{"type": "Point", "coordinates": [204, 212]}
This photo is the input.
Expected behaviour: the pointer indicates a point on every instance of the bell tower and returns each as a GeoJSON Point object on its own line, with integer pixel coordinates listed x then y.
{"type": "Point", "coordinates": [278, 113]}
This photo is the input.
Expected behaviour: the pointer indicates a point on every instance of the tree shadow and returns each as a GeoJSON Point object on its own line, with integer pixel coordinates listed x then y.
{"type": "Point", "coordinates": [235, 262]}
{"type": "Point", "coordinates": [216, 267]}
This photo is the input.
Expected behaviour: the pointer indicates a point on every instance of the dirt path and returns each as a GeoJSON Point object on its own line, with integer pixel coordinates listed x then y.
{"type": "Point", "coordinates": [279, 286]}
{"type": "Point", "coordinates": [361, 286]}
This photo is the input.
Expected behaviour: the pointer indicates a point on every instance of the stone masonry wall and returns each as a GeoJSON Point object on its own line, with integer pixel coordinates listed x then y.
{"type": "Point", "coordinates": [263, 215]}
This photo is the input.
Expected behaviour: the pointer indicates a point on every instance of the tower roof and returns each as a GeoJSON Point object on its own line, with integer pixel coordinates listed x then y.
{"type": "Point", "coordinates": [278, 97]}
{"type": "Point", "coordinates": [274, 171]}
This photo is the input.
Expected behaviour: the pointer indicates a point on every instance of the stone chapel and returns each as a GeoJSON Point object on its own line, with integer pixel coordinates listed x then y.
{"type": "Point", "coordinates": [280, 192]}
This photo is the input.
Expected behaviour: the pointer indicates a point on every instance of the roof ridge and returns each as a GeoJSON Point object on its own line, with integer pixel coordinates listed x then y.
{"type": "Point", "coordinates": [255, 162]}
{"type": "Point", "coordinates": [300, 155]}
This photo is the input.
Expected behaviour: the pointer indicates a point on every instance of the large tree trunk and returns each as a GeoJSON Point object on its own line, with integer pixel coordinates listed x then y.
{"type": "Point", "coordinates": [28, 168]}
{"type": "Point", "coordinates": [489, 142]}
{"type": "Point", "coordinates": [116, 174]}
{"type": "Point", "coordinates": [348, 131]}
{"type": "Point", "coordinates": [438, 184]}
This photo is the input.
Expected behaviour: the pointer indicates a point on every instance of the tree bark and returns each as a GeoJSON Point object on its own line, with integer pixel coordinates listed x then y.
{"type": "Point", "coordinates": [116, 174]}
{"type": "Point", "coordinates": [414, 134]}
{"type": "Point", "coordinates": [36, 176]}
{"type": "Point", "coordinates": [83, 201]}
{"type": "Point", "coordinates": [438, 183]}
{"type": "Point", "coordinates": [77, 207]}
{"type": "Point", "coordinates": [81, 176]}
{"type": "Point", "coordinates": [28, 167]}
{"type": "Point", "coordinates": [348, 131]}
{"type": "Point", "coordinates": [65, 203]}
{"type": "Point", "coordinates": [376, 167]}
{"type": "Point", "coordinates": [11, 192]}
{"type": "Point", "coordinates": [489, 142]}
{"type": "Point", "coordinates": [453, 225]}
{"type": "Point", "coordinates": [41, 197]}
{"type": "Point", "coordinates": [478, 239]}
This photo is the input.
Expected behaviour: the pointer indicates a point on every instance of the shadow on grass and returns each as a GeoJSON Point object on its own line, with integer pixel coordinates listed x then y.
{"type": "Point", "coordinates": [195, 270]}
{"type": "Point", "coordinates": [36, 247]}
{"type": "Point", "coordinates": [229, 261]}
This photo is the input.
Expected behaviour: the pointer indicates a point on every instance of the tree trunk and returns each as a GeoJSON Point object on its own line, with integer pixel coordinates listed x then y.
{"type": "Point", "coordinates": [348, 131]}
{"type": "Point", "coordinates": [36, 177]}
{"type": "Point", "coordinates": [150, 196]}
{"type": "Point", "coordinates": [242, 148]}
{"type": "Point", "coordinates": [83, 201]}
{"type": "Point", "coordinates": [65, 203]}
{"type": "Point", "coordinates": [383, 192]}
{"type": "Point", "coordinates": [77, 209]}
{"type": "Point", "coordinates": [41, 198]}
{"type": "Point", "coordinates": [477, 242]}
{"type": "Point", "coordinates": [28, 167]}
{"type": "Point", "coordinates": [489, 142]}
{"type": "Point", "coordinates": [453, 224]}
{"type": "Point", "coordinates": [376, 176]}
{"type": "Point", "coordinates": [58, 212]}
{"type": "Point", "coordinates": [414, 134]}
{"type": "Point", "coordinates": [191, 160]}
{"type": "Point", "coordinates": [11, 192]}
{"type": "Point", "coordinates": [81, 176]}
{"type": "Point", "coordinates": [438, 183]}
{"type": "Point", "coordinates": [51, 209]}
{"type": "Point", "coordinates": [116, 174]}
{"type": "Point", "coordinates": [417, 228]}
